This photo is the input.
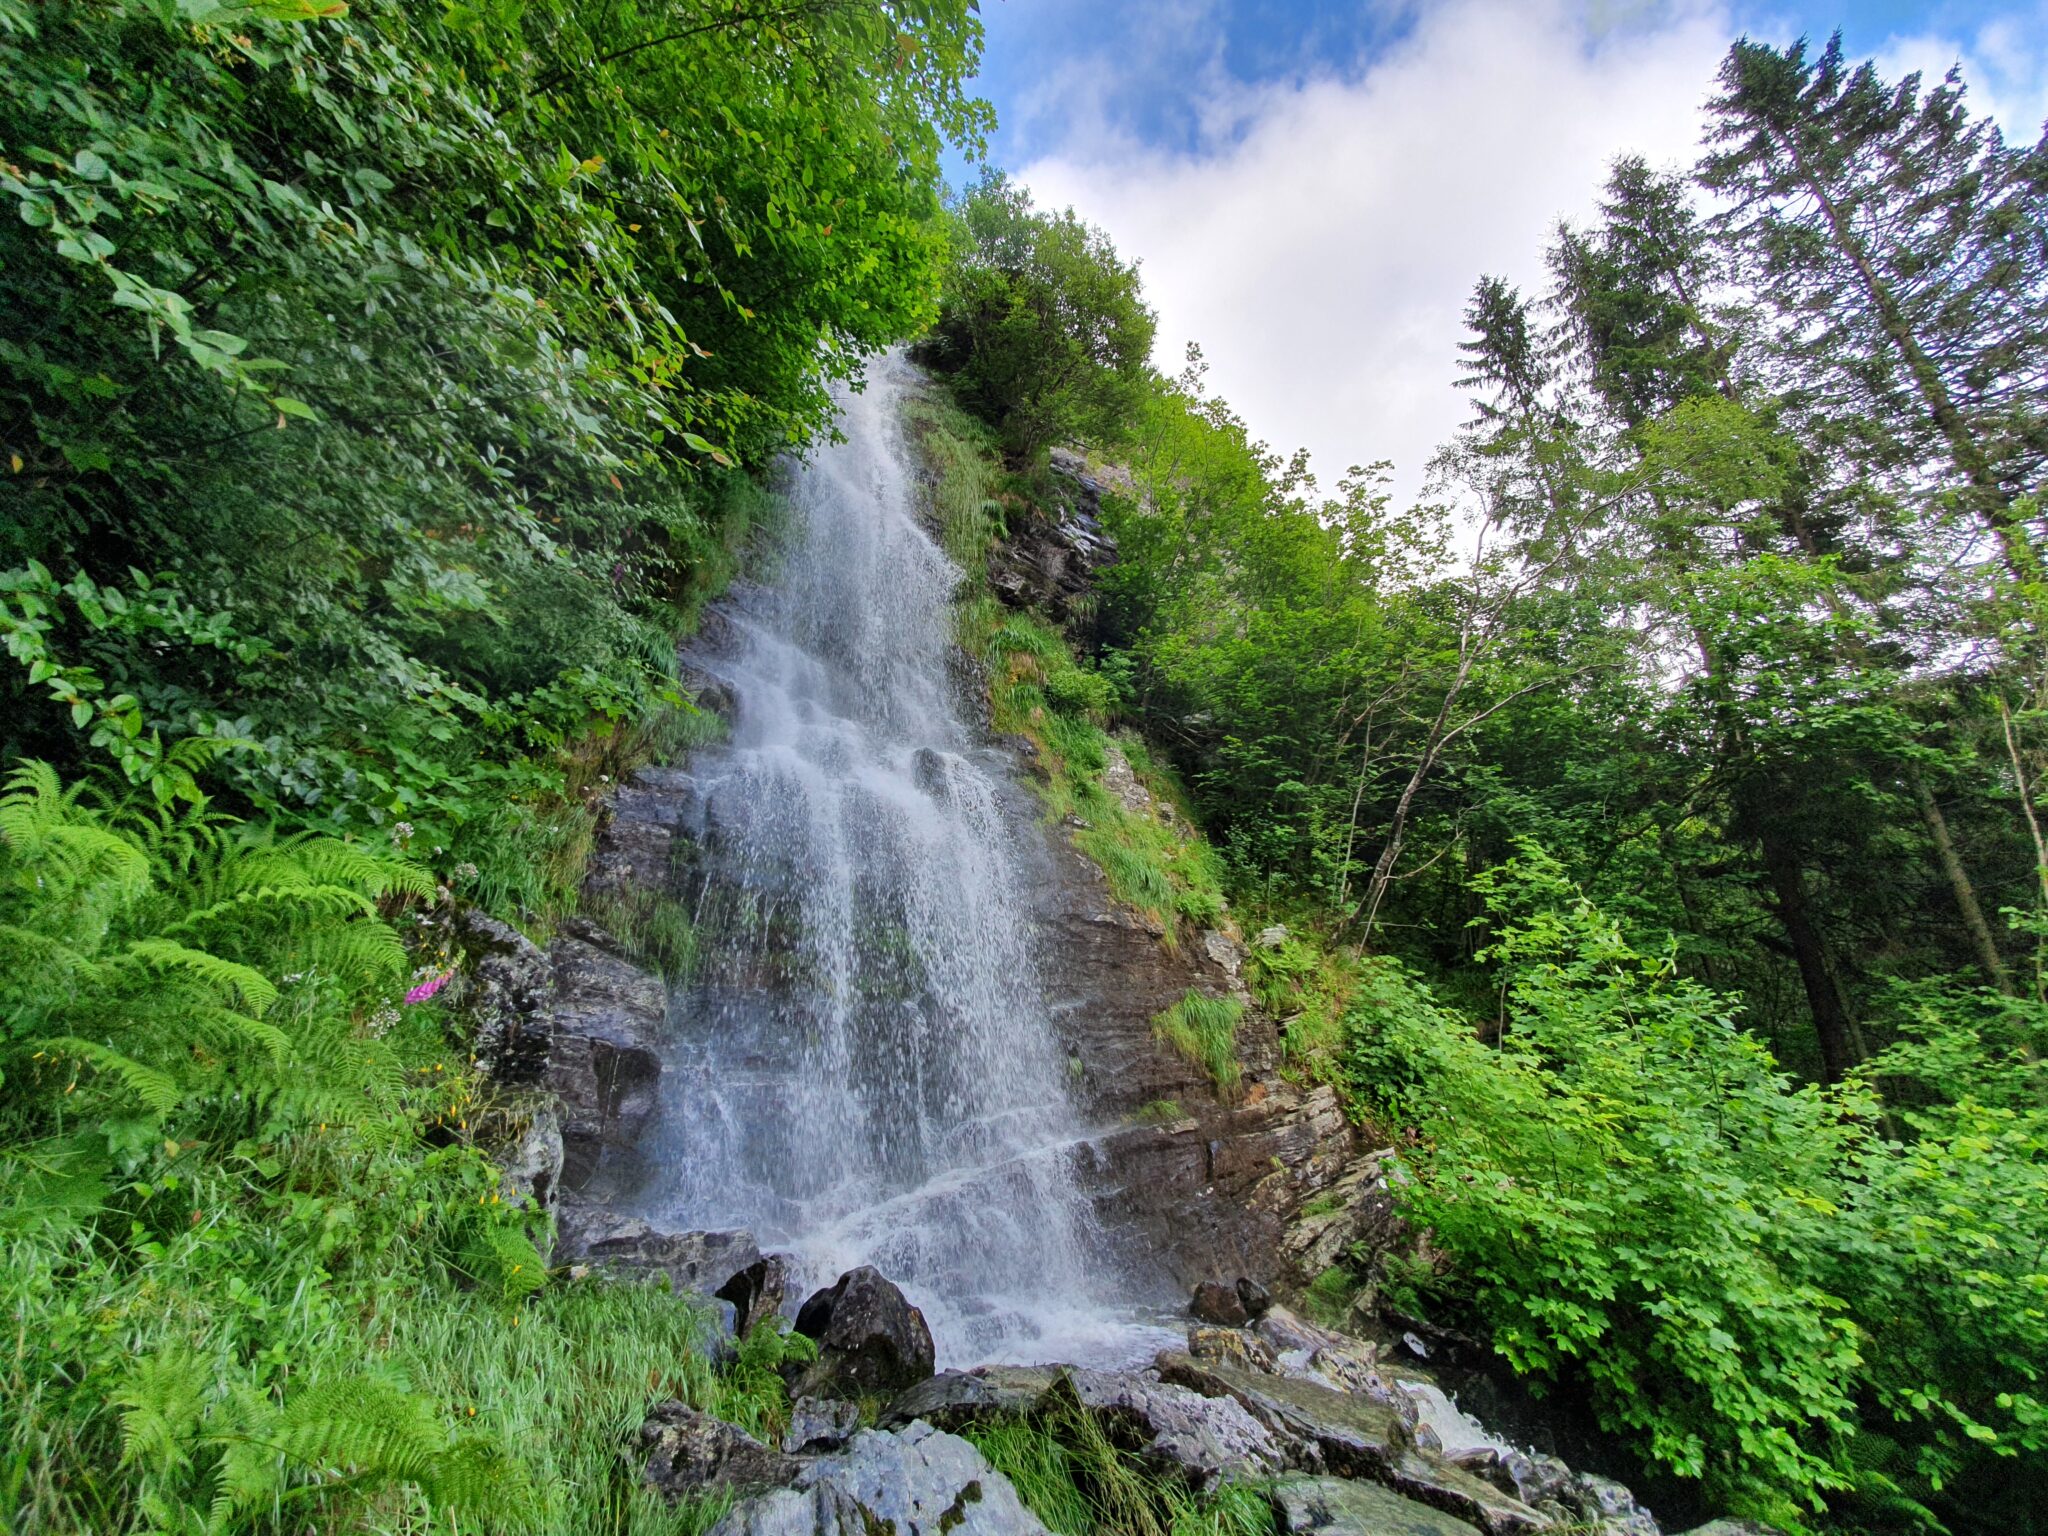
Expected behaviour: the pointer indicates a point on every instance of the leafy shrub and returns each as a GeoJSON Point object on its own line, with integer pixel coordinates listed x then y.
{"type": "Point", "coordinates": [1638, 1199]}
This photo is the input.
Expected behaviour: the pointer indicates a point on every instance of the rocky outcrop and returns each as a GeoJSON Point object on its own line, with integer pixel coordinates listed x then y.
{"type": "Point", "coordinates": [1203, 1440]}
{"type": "Point", "coordinates": [1336, 1431]}
{"type": "Point", "coordinates": [871, 1341]}
{"type": "Point", "coordinates": [818, 1424]}
{"type": "Point", "coordinates": [916, 1481]}
{"type": "Point", "coordinates": [1052, 554]}
{"type": "Point", "coordinates": [954, 1400]}
{"type": "Point", "coordinates": [579, 1023]}
{"type": "Point", "coordinates": [605, 1018]}
{"type": "Point", "coordinates": [708, 1264]}
{"type": "Point", "coordinates": [690, 1454]}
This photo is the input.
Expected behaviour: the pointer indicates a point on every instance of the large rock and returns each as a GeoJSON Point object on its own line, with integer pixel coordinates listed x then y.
{"type": "Point", "coordinates": [1434, 1481]}
{"type": "Point", "coordinates": [1203, 1440]}
{"type": "Point", "coordinates": [530, 1160]}
{"type": "Point", "coordinates": [1339, 1432]}
{"type": "Point", "coordinates": [605, 1017]}
{"type": "Point", "coordinates": [690, 1454]}
{"type": "Point", "coordinates": [504, 991]}
{"type": "Point", "coordinates": [578, 1022]}
{"type": "Point", "coordinates": [917, 1481]}
{"type": "Point", "coordinates": [871, 1341]}
{"type": "Point", "coordinates": [818, 1424]}
{"type": "Point", "coordinates": [705, 1263]}
{"type": "Point", "coordinates": [756, 1291]}
{"type": "Point", "coordinates": [953, 1400]}
{"type": "Point", "coordinates": [1216, 1302]}
{"type": "Point", "coordinates": [1334, 1506]}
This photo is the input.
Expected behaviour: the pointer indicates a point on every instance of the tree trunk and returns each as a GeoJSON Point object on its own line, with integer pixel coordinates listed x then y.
{"type": "Point", "coordinates": [1840, 1036]}
{"type": "Point", "coordinates": [1959, 883]}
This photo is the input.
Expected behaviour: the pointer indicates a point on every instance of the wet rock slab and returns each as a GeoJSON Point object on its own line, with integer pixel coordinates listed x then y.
{"type": "Point", "coordinates": [1436, 1482]}
{"type": "Point", "coordinates": [954, 1400]}
{"type": "Point", "coordinates": [917, 1481]}
{"type": "Point", "coordinates": [1334, 1506]}
{"type": "Point", "coordinates": [1204, 1441]}
{"type": "Point", "coordinates": [706, 1263]}
{"type": "Point", "coordinates": [1338, 1431]}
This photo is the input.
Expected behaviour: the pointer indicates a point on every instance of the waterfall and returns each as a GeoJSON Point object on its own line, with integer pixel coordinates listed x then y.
{"type": "Point", "coordinates": [861, 1068]}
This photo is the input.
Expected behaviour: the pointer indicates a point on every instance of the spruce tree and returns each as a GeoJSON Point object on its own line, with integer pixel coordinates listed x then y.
{"type": "Point", "coordinates": [1899, 245]}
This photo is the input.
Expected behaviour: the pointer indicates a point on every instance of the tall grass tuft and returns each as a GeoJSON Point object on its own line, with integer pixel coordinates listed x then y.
{"type": "Point", "coordinates": [1204, 1029]}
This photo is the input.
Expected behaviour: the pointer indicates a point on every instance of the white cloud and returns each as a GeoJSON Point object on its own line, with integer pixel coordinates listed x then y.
{"type": "Point", "coordinates": [1322, 251]}
{"type": "Point", "coordinates": [2005, 65]}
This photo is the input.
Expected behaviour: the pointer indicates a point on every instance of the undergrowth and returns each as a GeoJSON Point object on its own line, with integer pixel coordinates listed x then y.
{"type": "Point", "coordinates": [258, 1272]}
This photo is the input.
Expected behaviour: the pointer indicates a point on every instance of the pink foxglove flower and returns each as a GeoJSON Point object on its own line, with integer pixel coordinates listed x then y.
{"type": "Point", "coordinates": [430, 986]}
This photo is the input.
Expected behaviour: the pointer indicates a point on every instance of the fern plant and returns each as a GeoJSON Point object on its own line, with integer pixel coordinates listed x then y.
{"type": "Point", "coordinates": [146, 969]}
{"type": "Point", "coordinates": [215, 1155]}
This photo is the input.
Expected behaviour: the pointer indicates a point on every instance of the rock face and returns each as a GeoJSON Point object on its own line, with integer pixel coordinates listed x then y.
{"type": "Point", "coordinates": [691, 1453]}
{"type": "Point", "coordinates": [917, 1481]}
{"type": "Point", "coordinates": [530, 1161]}
{"type": "Point", "coordinates": [579, 1023]}
{"type": "Point", "coordinates": [1049, 563]}
{"type": "Point", "coordinates": [605, 1016]}
{"type": "Point", "coordinates": [871, 1341]}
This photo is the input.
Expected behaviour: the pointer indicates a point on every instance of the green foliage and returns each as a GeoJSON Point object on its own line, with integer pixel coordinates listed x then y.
{"type": "Point", "coordinates": [1037, 690]}
{"type": "Point", "coordinates": [962, 466]}
{"type": "Point", "coordinates": [1157, 1112]}
{"type": "Point", "coordinates": [258, 1269]}
{"type": "Point", "coordinates": [653, 925]}
{"type": "Point", "coordinates": [373, 381]}
{"type": "Point", "coordinates": [1204, 1029]}
{"type": "Point", "coordinates": [1641, 1201]}
{"type": "Point", "coordinates": [1041, 323]}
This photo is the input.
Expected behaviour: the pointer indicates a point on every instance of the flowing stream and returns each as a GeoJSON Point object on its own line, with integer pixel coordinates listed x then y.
{"type": "Point", "coordinates": [862, 1070]}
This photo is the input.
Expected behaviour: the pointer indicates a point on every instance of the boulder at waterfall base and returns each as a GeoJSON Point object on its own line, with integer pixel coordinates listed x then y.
{"type": "Point", "coordinates": [917, 1481]}
{"type": "Point", "coordinates": [871, 1341]}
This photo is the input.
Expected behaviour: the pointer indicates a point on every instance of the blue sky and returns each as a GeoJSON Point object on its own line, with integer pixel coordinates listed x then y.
{"type": "Point", "coordinates": [1313, 186]}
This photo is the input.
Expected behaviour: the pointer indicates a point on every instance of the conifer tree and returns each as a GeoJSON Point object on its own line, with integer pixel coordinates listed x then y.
{"type": "Point", "coordinates": [1899, 245]}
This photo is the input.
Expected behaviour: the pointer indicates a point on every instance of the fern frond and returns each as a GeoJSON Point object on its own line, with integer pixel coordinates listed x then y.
{"type": "Point", "coordinates": [319, 899]}
{"type": "Point", "coordinates": [51, 961]}
{"type": "Point", "coordinates": [476, 1474]}
{"type": "Point", "coordinates": [363, 868]}
{"type": "Point", "coordinates": [157, 1090]}
{"type": "Point", "coordinates": [251, 1469]}
{"type": "Point", "coordinates": [364, 952]}
{"type": "Point", "coordinates": [162, 1402]}
{"type": "Point", "coordinates": [229, 1031]}
{"type": "Point", "coordinates": [255, 989]}
{"type": "Point", "coordinates": [373, 1424]}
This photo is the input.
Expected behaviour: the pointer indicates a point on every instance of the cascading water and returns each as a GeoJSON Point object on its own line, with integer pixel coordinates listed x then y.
{"type": "Point", "coordinates": [861, 1069]}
